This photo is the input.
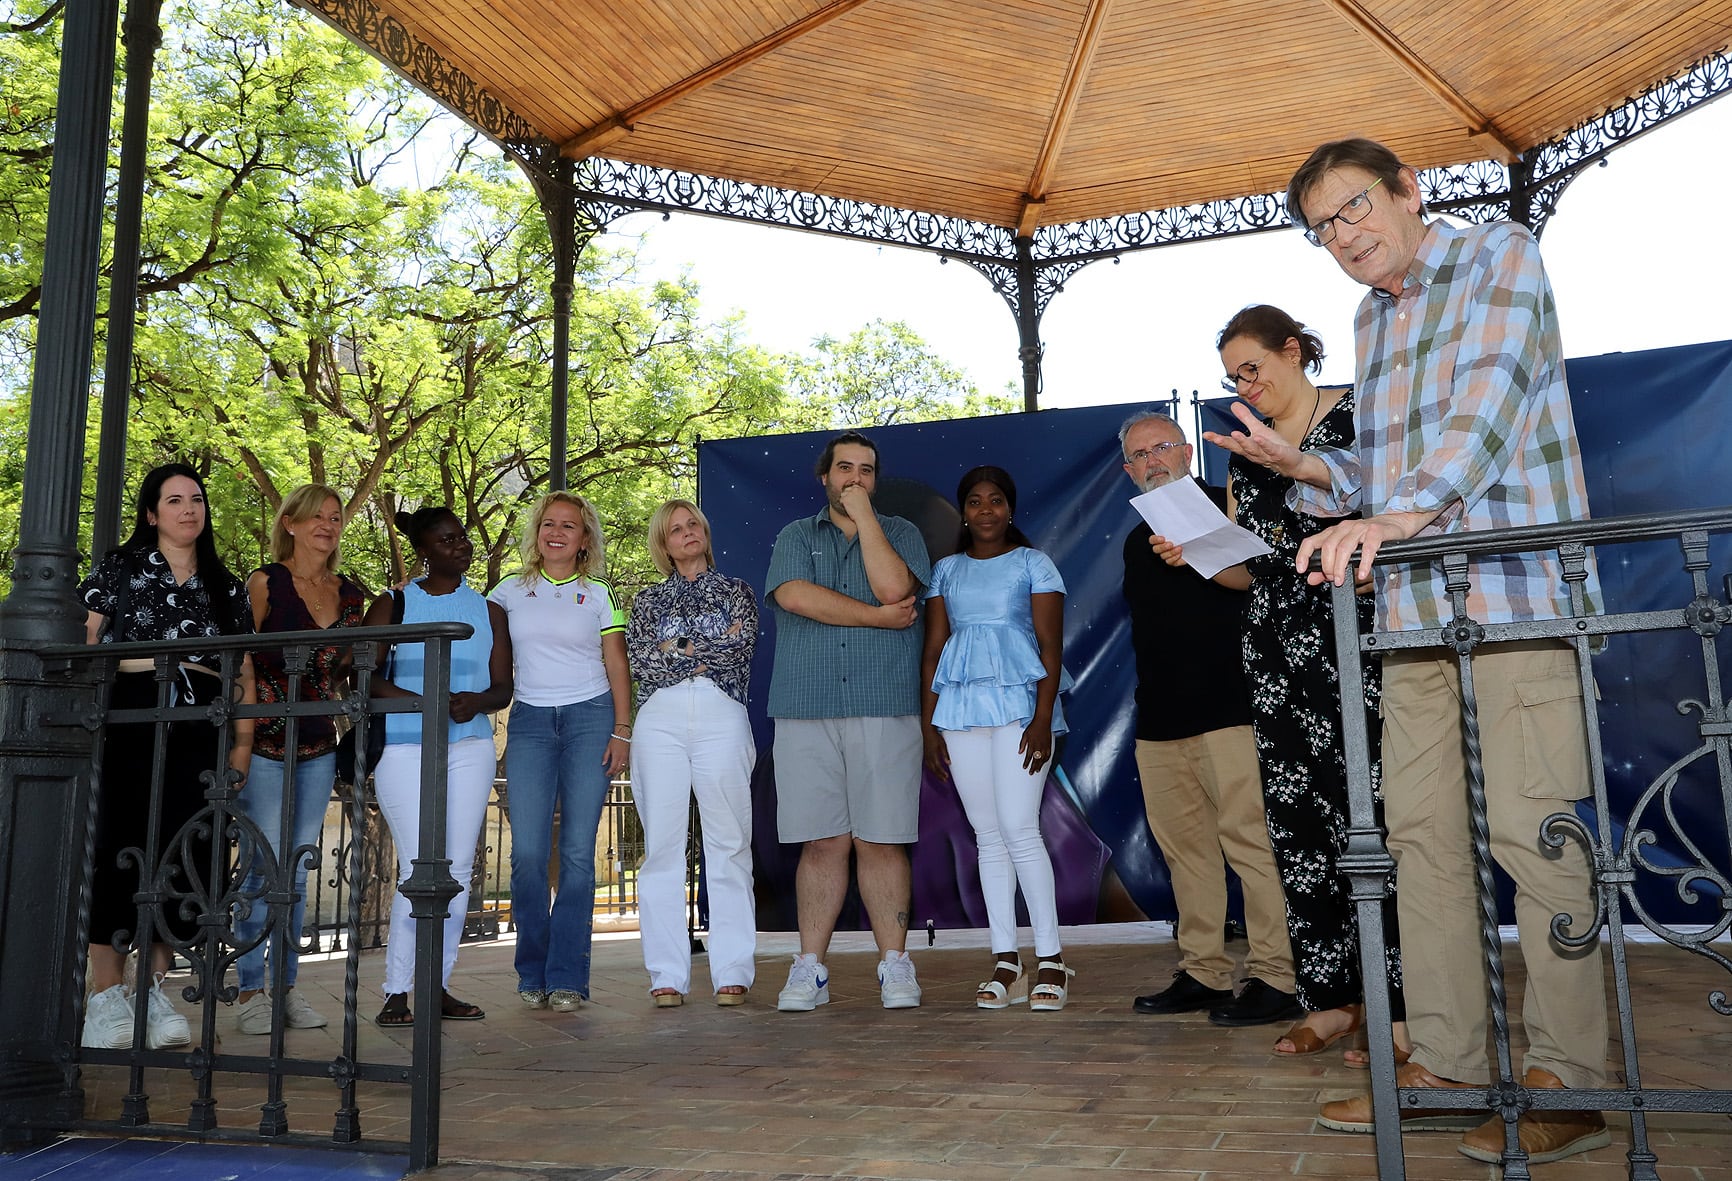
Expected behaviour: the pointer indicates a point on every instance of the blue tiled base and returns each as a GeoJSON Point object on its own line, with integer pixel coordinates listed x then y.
{"type": "Point", "coordinates": [158, 1160]}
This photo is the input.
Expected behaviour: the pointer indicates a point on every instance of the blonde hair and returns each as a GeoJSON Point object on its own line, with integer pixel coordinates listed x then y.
{"type": "Point", "coordinates": [303, 504]}
{"type": "Point", "coordinates": [658, 533]}
{"type": "Point", "coordinates": [591, 559]}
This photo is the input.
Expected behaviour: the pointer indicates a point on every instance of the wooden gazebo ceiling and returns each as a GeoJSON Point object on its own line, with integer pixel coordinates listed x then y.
{"type": "Point", "coordinates": [1032, 112]}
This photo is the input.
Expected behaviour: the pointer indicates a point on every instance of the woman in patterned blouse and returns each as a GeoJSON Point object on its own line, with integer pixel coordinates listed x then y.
{"type": "Point", "coordinates": [691, 640]}
{"type": "Point", "coordinates": [1289, 656]}
{"type": "Point", "coordinates": [165, 582]}
{"type": "Point", "coordinates": [300, 590]}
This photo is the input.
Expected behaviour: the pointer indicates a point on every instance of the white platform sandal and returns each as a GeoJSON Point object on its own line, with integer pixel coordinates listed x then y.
{"type": "Point", "coordinates": [994, 994]}
{"type": "Point", "coordinates": [1050, 998]}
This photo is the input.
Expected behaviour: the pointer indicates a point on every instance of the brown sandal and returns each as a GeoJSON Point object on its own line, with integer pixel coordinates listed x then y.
{"type": "Point", "coordinates": [1307, 1041]}
{"type": "Point", "coordinates": [396, 1011]}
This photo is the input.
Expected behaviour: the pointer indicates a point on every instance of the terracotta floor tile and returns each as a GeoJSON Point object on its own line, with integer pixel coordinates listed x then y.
{"type": "Point", "coordinates": [623, 1092]}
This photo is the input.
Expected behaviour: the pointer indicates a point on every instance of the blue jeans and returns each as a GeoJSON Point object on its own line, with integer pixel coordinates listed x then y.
{"type": "Point", "coordinates": [553, 755]}
{"type": "Point", "coordinates": [262, 801]}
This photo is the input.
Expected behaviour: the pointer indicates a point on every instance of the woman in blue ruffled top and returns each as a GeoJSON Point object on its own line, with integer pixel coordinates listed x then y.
{"type": "Point", "coordinates": [992, 672]}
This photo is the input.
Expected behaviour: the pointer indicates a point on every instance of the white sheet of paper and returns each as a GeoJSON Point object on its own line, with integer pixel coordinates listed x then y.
{"type": "Point", "coordinates": [1182, 512]}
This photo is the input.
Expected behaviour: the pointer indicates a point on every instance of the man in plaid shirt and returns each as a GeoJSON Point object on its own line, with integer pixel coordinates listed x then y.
{"type": "Point", "coordinates": [1464, 424]}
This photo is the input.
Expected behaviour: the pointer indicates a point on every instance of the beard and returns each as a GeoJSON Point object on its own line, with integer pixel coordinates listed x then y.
{"type": "Point", "coordinates": [1156, 479]}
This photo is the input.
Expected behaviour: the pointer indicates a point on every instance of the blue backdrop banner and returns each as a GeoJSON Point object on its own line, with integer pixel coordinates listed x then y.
{"type": "Point", "coordinates": [1652, 426]}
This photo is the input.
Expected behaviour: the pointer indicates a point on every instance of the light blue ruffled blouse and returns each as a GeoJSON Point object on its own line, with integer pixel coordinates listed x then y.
{"type": "Point", "coordinates": [990, 665]}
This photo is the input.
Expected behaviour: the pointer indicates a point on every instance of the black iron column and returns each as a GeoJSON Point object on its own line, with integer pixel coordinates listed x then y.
{"type": "Point", "coordinates": [560, 206]}
{"type": "Point", "coordinates": [1028, 323]}
{"type": "Point", "coordinates": [44, 770]}
{"type": "Point", "coordinates": [143, 36]}
{"type": "Point", "coordinates": [1521, 194]}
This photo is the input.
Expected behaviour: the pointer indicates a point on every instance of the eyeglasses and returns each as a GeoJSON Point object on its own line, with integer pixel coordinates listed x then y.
{"type": "Point", "coordinates": [1352, 213]}
{"type": "Point", "coordinates": [1240, 376]}
{"type": "Point", "coordinates": [1144, 454]}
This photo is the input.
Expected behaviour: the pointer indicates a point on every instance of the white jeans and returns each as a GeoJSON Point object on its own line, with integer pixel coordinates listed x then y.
{"type": "Point", "coordinates": [1003, 804]}
{"type": "Point", "coordinates": [397, 787]}
{"type": "Point", "coordinates": [692, 738]}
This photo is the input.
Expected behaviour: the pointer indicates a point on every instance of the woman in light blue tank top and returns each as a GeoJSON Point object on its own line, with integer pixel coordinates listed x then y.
{"type": "Point", "coordinates": [480, 684]}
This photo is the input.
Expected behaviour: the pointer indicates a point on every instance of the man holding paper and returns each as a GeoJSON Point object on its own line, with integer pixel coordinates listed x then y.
{"type": "Point", "coordinates": [1197, 760]}
{"type": "Point", "coordinates": [1464, 423]}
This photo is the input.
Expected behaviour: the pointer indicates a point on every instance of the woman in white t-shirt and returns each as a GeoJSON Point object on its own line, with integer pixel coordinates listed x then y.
{"type": "Point", "coordinates": [569, 734]}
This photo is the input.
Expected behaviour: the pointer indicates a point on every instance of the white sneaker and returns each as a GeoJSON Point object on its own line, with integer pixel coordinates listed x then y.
{"type": "Point", "coordinates": [897, 986]}
{"type": "Point", "coordinates": [108, 1020]}
{"type": "Point", "coordinates": [164, 1028]}
{"type": "Point", "coordinates": [299, 1013]}
{"type": "Point", "coordinates": [808, 986]}
{"type": "Point", "coordinates": [253, 1015]}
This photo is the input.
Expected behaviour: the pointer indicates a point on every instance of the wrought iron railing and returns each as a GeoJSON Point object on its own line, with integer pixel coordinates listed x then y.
{"type": "Point", "coordinates": [327, 929]}
{"type": "Point", "coordinates": [209, 887]}
{"type": "Point", "coordinates": [1623, 859]}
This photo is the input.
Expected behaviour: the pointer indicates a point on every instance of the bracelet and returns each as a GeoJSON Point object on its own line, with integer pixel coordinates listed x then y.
{"type": "Point", "coordinates": [621, 737]}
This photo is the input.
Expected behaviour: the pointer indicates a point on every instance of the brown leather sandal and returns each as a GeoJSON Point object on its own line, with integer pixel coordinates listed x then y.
{"type": "Point", "coordinates": [396, 1011]}
{"type": "Point", "coordinates": [1308, 1041]}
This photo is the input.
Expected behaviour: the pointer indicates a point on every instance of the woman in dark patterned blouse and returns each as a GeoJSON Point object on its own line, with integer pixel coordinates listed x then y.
{"type": "Point", "coordinates": [690, 640]}
{"type": "Point", "coordinates": [1289, 650]}
{"type": "Point", "coordinates": [300, 590]}
{"type": "Point", "coordinates": [165, 583]}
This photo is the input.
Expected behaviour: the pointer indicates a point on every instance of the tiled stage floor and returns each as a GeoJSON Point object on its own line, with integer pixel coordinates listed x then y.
{"type": "Point", "coordinates": [624, 1091]}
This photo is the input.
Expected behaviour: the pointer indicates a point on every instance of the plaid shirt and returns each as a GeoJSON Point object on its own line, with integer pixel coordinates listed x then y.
{"type": "Point", "coordinates": [824, 670]}
{"type": "Point", "coordinates": [1464, 412]}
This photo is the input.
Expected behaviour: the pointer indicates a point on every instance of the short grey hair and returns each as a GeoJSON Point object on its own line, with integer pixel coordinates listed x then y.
{"type": "Point", "coordinates": [1143, 416]}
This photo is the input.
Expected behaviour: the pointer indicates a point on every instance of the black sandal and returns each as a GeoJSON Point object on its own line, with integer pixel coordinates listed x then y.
{"type": "Point", "coordinates": [396, 1011]}
{"type": "Point", "coordinates": [452, 1009]}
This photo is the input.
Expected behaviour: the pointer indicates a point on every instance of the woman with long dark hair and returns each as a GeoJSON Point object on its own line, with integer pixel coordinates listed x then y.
{"type": "Point", "coordinates": [991, 672]}
{"type": "Point", "coordinates": [165, 582]}
{"type": "Point", "coordinates": [300, 589]}
{"type": "Point", "coordinates": [480, 684]}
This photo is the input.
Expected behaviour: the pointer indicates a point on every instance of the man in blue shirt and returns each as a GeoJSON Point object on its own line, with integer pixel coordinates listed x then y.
{"type": "Point", "coordinates": [845, 693]}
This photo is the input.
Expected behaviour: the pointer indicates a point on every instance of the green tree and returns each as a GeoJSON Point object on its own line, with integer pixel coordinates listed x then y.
{"type": "Point", "coordinates": [882, 374]}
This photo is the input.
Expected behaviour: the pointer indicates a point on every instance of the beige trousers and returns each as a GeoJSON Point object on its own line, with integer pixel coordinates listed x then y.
{"type": "Point", "coordinates": [1534, 741]}
{"type": "Point", "coordinates": [1204, 798]}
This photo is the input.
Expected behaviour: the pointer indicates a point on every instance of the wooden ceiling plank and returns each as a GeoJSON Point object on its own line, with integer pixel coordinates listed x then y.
{"type": "Point", "coordinates": [598, 137]}
{"type": "Point", "coordinates": [1070, 93]}
{"type": "Point", "coordinates": [1478, 123]}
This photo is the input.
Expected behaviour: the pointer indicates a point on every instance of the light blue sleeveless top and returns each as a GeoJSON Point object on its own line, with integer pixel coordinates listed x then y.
{"type": "Point", "coordinates": [469, 673]}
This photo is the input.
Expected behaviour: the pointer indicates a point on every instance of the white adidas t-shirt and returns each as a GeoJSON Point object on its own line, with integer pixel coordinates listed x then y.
{"type": "Point", "coordinates": [556, 630]}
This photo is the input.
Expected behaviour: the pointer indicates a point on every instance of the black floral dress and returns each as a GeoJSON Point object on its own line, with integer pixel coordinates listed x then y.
{"type": "Point", "coordinates": [1289, 652]}
{"type": "Point", "coordinates": [139, 586]}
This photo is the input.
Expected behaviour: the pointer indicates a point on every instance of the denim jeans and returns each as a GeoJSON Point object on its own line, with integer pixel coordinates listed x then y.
{"type": "Point", "coordinates": [553, 756]}
{"type": "Point", "coordinates": [262, 801]}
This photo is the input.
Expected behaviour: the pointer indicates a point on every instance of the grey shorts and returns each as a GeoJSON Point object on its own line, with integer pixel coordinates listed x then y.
{"type": "Point", "coordinates": [848, 776]}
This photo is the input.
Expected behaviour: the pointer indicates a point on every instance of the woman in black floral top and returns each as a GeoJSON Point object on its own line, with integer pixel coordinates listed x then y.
{"type": "Point", "coordinates": [690, 641]}
{"type": "Point", "coordinates": [1289, 652]}
{"type": "Point", "coordinates": [165, 583]}
{"type": "Point", "coordinates": [301, 590]}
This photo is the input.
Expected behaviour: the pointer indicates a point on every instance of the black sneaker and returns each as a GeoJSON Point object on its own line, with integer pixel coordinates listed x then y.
{"type": "Point", "coordinates": [1184, 995]}
{"type": "Point", "coordinates": [1257, 1004]}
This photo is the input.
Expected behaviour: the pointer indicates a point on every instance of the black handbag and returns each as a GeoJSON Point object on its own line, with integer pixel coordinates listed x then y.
{"type": "Point", "coordinates": [375, 722]}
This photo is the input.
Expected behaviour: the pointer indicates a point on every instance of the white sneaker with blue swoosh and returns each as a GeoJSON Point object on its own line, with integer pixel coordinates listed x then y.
{"type": "Point", "coordinates": [897, 986]}
{"type": "Point", "coordinates": [808, 986]}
